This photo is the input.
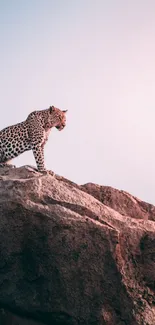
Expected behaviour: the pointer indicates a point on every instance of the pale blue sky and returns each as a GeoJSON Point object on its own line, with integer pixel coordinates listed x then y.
{"type": "Point", "coordinates": [96, 58]}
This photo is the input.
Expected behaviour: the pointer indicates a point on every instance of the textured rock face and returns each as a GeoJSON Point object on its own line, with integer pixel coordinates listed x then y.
{"type": "Point", "coordinates": [121, 201]}
{"type": "Point", "coordinates": [67, 258]}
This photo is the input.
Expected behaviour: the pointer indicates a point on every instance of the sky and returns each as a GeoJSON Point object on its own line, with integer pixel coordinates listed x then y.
{"type": "Point", "coordinates": [95, 58]}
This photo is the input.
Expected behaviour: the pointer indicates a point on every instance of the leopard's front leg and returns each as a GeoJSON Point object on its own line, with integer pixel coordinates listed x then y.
{"type": "Point", "coordinates": [38, 152]}
{"type": "Point", "coordinates": [37, 140]}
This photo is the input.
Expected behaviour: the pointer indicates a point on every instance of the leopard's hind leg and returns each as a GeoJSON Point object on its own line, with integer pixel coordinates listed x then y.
{"type": "Point", "coordinates": [3, 161]}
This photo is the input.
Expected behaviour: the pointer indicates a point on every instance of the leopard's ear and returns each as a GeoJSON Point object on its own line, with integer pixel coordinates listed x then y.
{"type": "Point", "coordinates": [51, 108]}
{"type": "Point", "coordinates": [65, 111]}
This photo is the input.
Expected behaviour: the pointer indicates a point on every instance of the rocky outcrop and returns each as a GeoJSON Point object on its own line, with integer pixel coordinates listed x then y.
{"type": "Point", "coordinates": [73, 255]}
{"type": "Point", "coordinates": [121, 201]}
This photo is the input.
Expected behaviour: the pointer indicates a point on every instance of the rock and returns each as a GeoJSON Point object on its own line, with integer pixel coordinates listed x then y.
{"type": "Point", "coordinates": [121, 201]}
{"type": "Point", "coordinates": [69, 258]}
{"type": "Point", "coordinates": [8, 318]}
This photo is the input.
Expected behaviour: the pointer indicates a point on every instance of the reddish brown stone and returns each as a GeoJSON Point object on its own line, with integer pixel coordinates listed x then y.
{"type": "Point", "coordinates": [67, 258]}
{"type": "Point", "coordinates": [121, 201]}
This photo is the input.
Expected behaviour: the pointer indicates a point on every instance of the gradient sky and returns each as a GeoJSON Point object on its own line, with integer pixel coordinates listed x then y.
{"type": "Point", "coordinates": [96, 58]}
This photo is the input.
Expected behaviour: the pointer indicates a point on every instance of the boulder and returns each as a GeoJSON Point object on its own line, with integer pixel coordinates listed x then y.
{"type": "Point", "coordinates": [71, 256]}
{"type": "Point", "coordinates": [121, 201]}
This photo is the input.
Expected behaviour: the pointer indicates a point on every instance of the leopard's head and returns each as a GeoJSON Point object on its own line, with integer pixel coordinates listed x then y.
{"type": "Point", "coordinates": [57, 117]}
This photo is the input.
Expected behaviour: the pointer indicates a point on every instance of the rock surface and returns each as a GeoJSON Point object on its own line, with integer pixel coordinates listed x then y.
{"type": "Point", "coordinates": [73, 255]}
{"type": "Point", "coordinates": [121, 201]}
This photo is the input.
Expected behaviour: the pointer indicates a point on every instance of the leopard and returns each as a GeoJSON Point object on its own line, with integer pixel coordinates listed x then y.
{"type": "Point", "coordinates": [31, 134]}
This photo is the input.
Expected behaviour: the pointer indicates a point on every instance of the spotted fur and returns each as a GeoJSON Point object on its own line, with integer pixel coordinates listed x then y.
{"type": "Point", "coordinates": [32, 134]}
